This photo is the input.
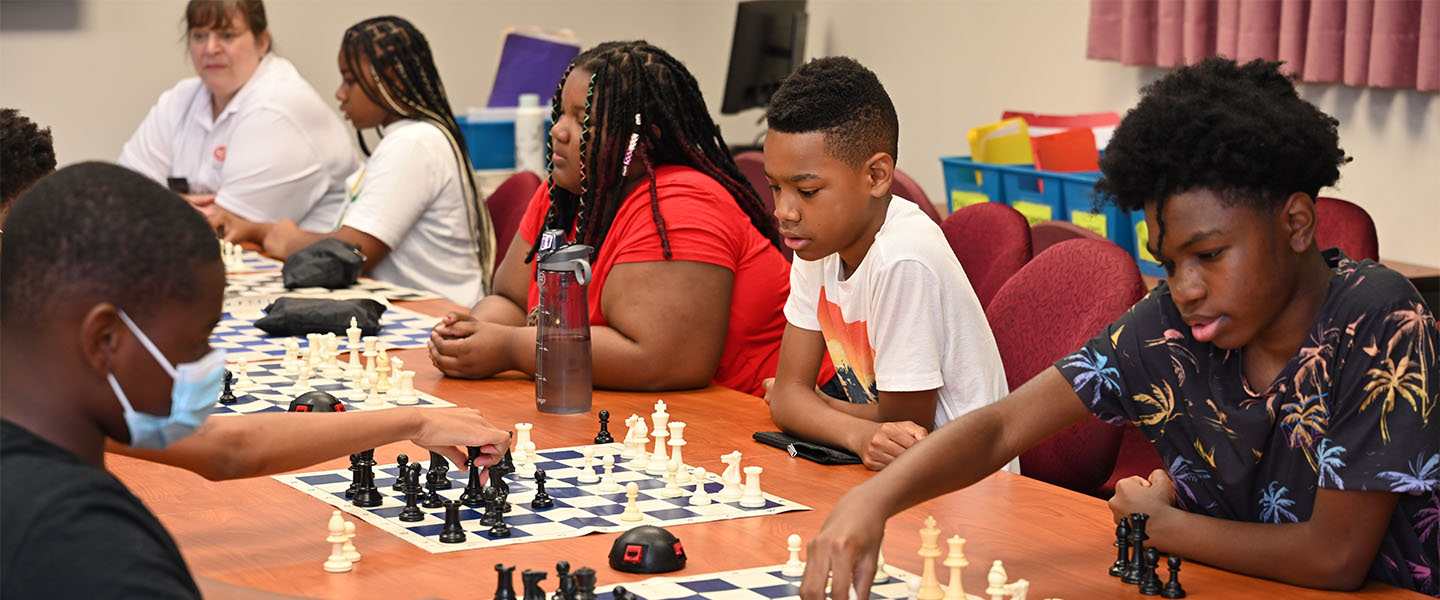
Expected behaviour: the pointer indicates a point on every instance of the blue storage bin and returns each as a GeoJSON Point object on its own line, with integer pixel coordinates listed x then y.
{"type": "Point", "coordinates": [1028, 191]}
{"type": "Point", "coordinates": [968, 182]}
{"type": "Point", "coordinates": [491, 141]}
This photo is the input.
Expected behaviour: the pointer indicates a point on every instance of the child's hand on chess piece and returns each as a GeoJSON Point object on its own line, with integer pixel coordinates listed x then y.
{"type": "Point", "coordinates": [449, 430]}
{"type": "Point", "coordinates": [847, 549]}
{"type": "Point", "coordinates": [887, 440]}
{"type": "Point", "coordinates": [1154, 496]}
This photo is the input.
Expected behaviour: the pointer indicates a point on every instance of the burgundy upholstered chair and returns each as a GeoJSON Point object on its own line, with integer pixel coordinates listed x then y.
{"type": "Point", "coordinates": [752, 164]}
{"type": "Point", "coordinates": [906, 188]}
{"type": "Point", "coordinates": [992, 241]}
{"type": "Point", "coordinates": [507, 205]}
{"type": "Point", "coordinates": [1346, 226]}
{"type": "Point", "coordinates": [1048, 233]}
{"type": "Point", "coordinates": [1048, 309]}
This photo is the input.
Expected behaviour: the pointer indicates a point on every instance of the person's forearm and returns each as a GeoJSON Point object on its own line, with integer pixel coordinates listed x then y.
{"type": "Point", "coordinates": [619, 362]}
{"type": "Point", "coordinates": [1283, 552]}
{"type": "Point", "coordinates": [293, 242]}
{"type": "Point", "coordinates": [869, 412]}
{"type": "Point", "coordinates": [500, 310]}
{"type": "Point", "coordinates": [806, 414]}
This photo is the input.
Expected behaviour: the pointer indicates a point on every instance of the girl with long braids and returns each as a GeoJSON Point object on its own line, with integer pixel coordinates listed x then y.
{"type": "Point", "coordinates": [413, 208]}
{"type": "Point", "coordinates": [688, 281]}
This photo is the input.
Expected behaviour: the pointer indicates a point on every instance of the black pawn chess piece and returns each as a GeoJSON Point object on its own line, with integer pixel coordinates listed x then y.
{"type": "Point", "coordinates": [1172, 588]}
{"type": "Point", "coordinates": [499, 529]}
{"type": "Point", "coordinates": [432, 495]}
{"type": "Point", "coordinates": [439, 465]}
{"type": "Point", "coordinates": [564, 582]}
{"type": "Point", "coordinates": [531, 580]}
{"type": "Point", "coordinates": [542, 499]}
{"type": "Point", "coordinates": [1136, 569]}
{"type": "Point", "coordinates": [354, 475]}
{"type": "Point", "coordinates": [604, 436]}
{"type": "Point", "coordinates": [585, 583]}
{"type": "Point", "coordinates": [1122, 556]}
{"type": "Point", "coordinates": [504, 582]}
{"type": "Point", "coordinates": [471, 496]}
{"type": "Point", "coordinates": [412, 481]}
{"type": "Point", "coordinates": [620, 593]}
{"type": "Point", "coordinates": [366, 496]}
{"type": "Point", "coordinates": [411, 513]}
{"type": "Point", "coordinates": [402, 461]}
{"type": "Point", "coordinates": [489, 515]}
{"type": "Point", "coordinates": [227, 394]}
{"type": "Point", "coordinates": [452, 533]}
{"type": "Point", "coordinates": [1149, 580]}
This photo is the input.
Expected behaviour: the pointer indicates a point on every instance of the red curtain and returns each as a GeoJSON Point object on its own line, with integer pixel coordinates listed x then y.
{"type": "Point", "coordinates": [1378, 43]}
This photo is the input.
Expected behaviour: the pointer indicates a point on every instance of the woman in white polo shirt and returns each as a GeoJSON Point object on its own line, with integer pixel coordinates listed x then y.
{"type": "Point", "coordinates": [413, 208]}
{"type": "Point", "coordinates": [248, 136]}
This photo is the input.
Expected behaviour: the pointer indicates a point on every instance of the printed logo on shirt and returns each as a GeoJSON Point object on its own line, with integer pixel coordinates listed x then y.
{"type": "Point", "coordinates": [849, 346]}
{"type": "Point", "coordinates": [219, 153]}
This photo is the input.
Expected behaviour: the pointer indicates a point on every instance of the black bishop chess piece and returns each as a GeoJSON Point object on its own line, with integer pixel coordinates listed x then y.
{"type": "Point", "coordinates": [564, 582]}
{"type": "Point", "coordinates": [439, 465]}
{"type": "Point", "coordinates": [504, 582]}
{"type": "Point", "coordinates": [432, 494]}
{"type": "Point", "coordinates": [410, 482]}
{"type": "Point", "coordinates": [585, 583]}
{"type": "Point", "coordinates": [604, 436]}
{"type": "Point", "coordinates": [1172, 588]}
{"type": "Point", "coordinates": [1122, 541]}
{"type": "Point", "coordinates": [471, 496]}
{"type": "Point", "coordinates": [402, 461]}
{"type": "Point", "coordinates": [542, 499]}
{"type": "Point", "coordinates": [452, 532]}
{"type": "Point", "coordinates": [227, 394]}
{"type": "Point", "coordinates": [1136, 569]}
{"type": "Point", "coordinates": [531, 580]}
{"type": "Point", "coordinates": [1149, 580]}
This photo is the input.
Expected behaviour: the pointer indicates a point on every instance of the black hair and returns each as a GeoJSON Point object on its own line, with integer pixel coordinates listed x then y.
{"type": "Point", "coordinates": [1241, 131]}
{"type": "Point", "coordinates": [216, 14]}
{"type": "Point", "coordinates": [839, 97]}
{"type": "Point", "coordinates": [99, 232]}
{"type": "Point", "coordinates": [27, 153]}
{"type": "Point", "coordinates": [391, 61]}
{"type": "Point", "coordinates": [632, 81]}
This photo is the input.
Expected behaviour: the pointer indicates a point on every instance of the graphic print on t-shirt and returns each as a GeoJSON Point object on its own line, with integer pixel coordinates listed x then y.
{"type": "Point", "coordinates": [849, 346]}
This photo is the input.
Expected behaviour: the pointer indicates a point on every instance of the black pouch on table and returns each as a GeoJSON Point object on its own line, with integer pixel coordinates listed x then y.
{"type": "Point", "coordinates": [299, 316]}
{"type": "Point", "coordinates": [810, 451]}
{"type": "Point", "coordinates": [328, 263]}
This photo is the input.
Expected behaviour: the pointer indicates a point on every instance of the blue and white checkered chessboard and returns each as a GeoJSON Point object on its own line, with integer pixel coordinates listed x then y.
{"type": "Point", "coordinates": [399, 329]}
{"type": "Point", "coordinates": [579, 509]}
{"type": "Point", "coordinates": [271, 390]}
{"type": "Point", "coordinates": [272, 283]}
{"type": "Point", "coordinates": [251, 261]}
{"type": "Point", "coordinates": [760, 583]}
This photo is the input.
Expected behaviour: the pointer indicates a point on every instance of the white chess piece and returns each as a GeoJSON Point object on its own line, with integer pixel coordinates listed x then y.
{"type": "Point", "coordinates": [373, 399]}
{"type": "Point", "coordinates": [528, 469]}
{"type": "Point", "coordinates": [677, 441]}
{"type": "Point", "coordinates": [291, 360]}
{"type": "Point", "coordinates": [607, 481]}
{"type": "Point", "coordinates": [587, 469]}
{"type": "Point", "coordinates": [351, 554]}
{"type": "Point", "coordinates": [955, 561]}
{"type": "Point", "coordinates": [793, 567]}
{"type": "Point", "coordinates": [880, 573]}
{"type": "Point", "coordinates": [337, 563]}
{"type": "Point", "coordinates": [406, 394]}
{"type": "Point", "coordinates": [660, 408]}
{"type": "Point", "coordinates": [632, 510]}
{"type": "Point", "coordinates": [929, 551]}
{"type": "Point", "coordinates": [700, 497]}
{"type": "Point", "coordinates": [302, 380]}
{"type": "Point", "coordinates": [242, 379]}
{"type": "Point", "coordinates": [627, 449]}
{"type": "Point", "coordinates": [1018, 589]}
{"type": "Point", "coordinates": [752, 497]}
{"type": "Point", "coordinates": [912, 587]}
{"type": "Point", "coordinates": [660, 457]}
{"type": "Point", "coordinates": [520, 456]}
{"type": "Point", "coordinates": [731, 477]}
{"type": "Point", "coordinates": [640, 457]}
{"type": "Point", "coordinates": [672, 488]}
{"type": "Point", "coordinates": [996, 580]}
{"type": "Point", "coordinates": [522, 435]}
{"type": "Point", "coordinates": [396, 364]}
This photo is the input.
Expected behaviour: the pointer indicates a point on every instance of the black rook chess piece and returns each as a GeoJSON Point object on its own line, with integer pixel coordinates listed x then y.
{"type": "Point", "coordinates": [585, 581]}
{"type": "Point", "coordinates": [1122, 556]}
{"type": "Point", "coordinates": [400, 477]}
{"type": "Point", "coordinates": [227, 395]}
{"type": "Point", "coordinates": [604, 436]}
{"type": "Point", "coordinates": [531, 581]}
{"type": "Point", "coordinates": [542, 499]}
{"type": "Point", "coordinates": [1149, 581]}
{"type": "Point", "coordinates": [452, 533]}
{"type": "Point", "coordinates": [1172, 588]}
{"type": "Point", "coordinates": [504, 582]}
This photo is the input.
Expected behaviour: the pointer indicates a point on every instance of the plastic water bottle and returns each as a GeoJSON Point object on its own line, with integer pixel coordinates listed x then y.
{"type": "Point", "coordinates": [563, 369]}
{"type": "Point", "coordinates": [530, 135]}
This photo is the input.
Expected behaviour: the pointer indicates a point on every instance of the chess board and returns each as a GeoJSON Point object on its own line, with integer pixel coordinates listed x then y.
{"type": "Point", "coordinates": [271, 392]}
{"type": "Point", "coordinates": [579, 508]}
{"type": "Point", "coordinates": [251, 261]}
{"type": "Point", "coordinates": [272, 283]}
{"type": "Point", "coordinates": [399, 329]}
{"type": "Point", "coordinates": [760, 583]}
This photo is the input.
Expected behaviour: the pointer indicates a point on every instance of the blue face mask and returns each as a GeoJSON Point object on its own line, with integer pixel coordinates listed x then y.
{"type": "Point", "coordinates": [192, 397]}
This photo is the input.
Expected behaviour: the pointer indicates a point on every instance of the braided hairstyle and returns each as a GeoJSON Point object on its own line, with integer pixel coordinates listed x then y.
{"type": "Point", "coordinates": [403, 80]}
{"type": "Point", "coordinates": [650, 112]}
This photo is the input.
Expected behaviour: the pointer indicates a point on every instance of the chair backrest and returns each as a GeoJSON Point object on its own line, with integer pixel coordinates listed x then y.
{"type": "Point", "coordinates": [507, 205]}
{"type": "Point", "coordinates": [752, 164]}
{"type": "Point", "coordinates": [1048, 233]}
{"type": "Point", "coordinates": [992, 241]}
{"type": "Point", "coordinates": [905, 187]}
{"type": "Point", "coordinates": [1345, 225]}
{"type": "Point", "coordinates": [1062, 298]}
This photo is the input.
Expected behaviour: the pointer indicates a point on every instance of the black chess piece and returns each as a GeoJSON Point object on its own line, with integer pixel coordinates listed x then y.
{"type": "Point", "coordinates": [227, 394]}
{"type": "Point", "coordinates": [432, 495]}
{"type": "Point", "coordinates": [490, 514]}
{"type": "Point", "coordinates": [504, 582]}
{"type": "Point", "coordinates": [452, 533]}
{"type": "Point", "coordinates": [604, 436]}
{"type": "Point", "coordinates": [620, 593]}
{"type": "Point", "coordinates": [471, 496]}
{"type": "Point", "coordinates": [1136, 569]}
{"type": "Point", "coordinates": [400, 477]}
{"type": "Point", "coordinates": [411, 513]}
{"type": "Point", "coordinates": [412, 481]}
{"type": "Point", "coordinates": [506, 465]}
{"type": "Point", "coordinates": [438, 464]}
{"type": "Point", "coordinates": [1172, 588]}
{"type": "Point", "coordinates": [354, 475]}
{"type": "Point", "coordinates": [585, 583]}
{"type": "Point", "coordinates": [531, 581]}
{"type": "Point", "coordinates": [502, 489]}
{"type": "Point", "coordinates": [542, 499]}
{"type": "Point", "coordinates": [1149, 580]}
{"type": "Point", "coordinates": [366, 495]}
{"type": "Point", "coordinates": [564, 582]}
{"type": "Point", "coordinates": [1122, 541]}
{"type": "Point", "coordinates": [499, 529]}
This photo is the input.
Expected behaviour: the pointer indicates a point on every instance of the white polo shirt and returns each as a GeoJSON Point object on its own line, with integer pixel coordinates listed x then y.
{"type": "Point", "coordinates": [277, 151]}
{"type": "Point", "coordinates": [409, 197]}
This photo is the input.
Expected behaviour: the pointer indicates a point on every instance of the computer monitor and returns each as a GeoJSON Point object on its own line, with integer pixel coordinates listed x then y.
{"type": "Point", "coordinates": [769, 44]}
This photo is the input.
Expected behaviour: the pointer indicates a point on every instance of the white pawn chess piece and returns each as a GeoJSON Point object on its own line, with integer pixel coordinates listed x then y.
{"type": "Point", "coordinates": [291, 360]}
{"type": "Point", "coordinates": [752, 497]}
{"type": "Point", "coordinates": [660, 458]}
{"type": "Point", "coordinates": [351, 554]}
{"type": "Point", "coordinates": [302, 380]}
{"type": "Point", "coordinates": [672, 488]}
{"type": "Point", "coordinates": [677, 441]}
{"type": "Point", "coordinates": [996, 580]}
{"type": "Point", "coordinates": [627, 449]}
{"type": "Point", "coordinates": [528, 469]}
{"type": "Point", "coordinates": [632, 510]}
{"type": "Point", "coordinates": [700, 497]}
{"type": "Point", "coordinates": [332, 357]}
{"type": "Point", "coordinates": [731, 477]}
{"type": "Point", "coordinates": [793, 567]}
{"type": "Point", "coordinates": [640, 457]}
{"type": "Point", "coordinates": [912, 587]}
{"type": "Point", "coordinates": [242, 377]}
{"type": "Point", "coordinates": [373, 399]}
{"type": "Point", "coordinates": [406, 394]}
{"type": "Point", "coordinates": [587, 469]}
{"type": "Point", "coordinates": [929, 551]}
{"type": "Point", "coordinates": [955, 590]}
{"type": "Point", "coordinates": [607, 481]}
{"type": "Point", "coordinates": [337, 563]}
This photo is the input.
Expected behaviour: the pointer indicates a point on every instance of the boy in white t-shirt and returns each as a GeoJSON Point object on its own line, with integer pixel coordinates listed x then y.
{"type": "Point", "coordinates": [873, 281]}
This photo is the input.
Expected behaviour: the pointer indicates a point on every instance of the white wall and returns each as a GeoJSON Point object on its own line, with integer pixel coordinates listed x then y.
{"type": "Point", "coordinates": [948, 64]}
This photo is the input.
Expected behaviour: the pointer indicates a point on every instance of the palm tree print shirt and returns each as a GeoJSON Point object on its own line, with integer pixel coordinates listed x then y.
{"type": "Point", "coordinates": [1350, 411]}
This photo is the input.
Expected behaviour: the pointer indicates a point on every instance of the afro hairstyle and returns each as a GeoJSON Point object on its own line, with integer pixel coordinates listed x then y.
{"type": "Point", "coordinates": [842, 99]}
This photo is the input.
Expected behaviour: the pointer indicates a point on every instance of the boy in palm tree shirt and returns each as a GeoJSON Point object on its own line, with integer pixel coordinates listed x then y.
{"type": "Point", "coordinates": [1288, 390]}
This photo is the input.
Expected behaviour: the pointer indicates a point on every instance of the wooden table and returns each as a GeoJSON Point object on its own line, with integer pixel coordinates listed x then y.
{"type": "Point", "coordinates": [264, 534]}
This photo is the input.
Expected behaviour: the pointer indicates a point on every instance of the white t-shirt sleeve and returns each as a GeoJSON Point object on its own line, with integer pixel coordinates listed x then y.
{"type": "Point", "coordinates": [802, 307]}
{"type": "Point", "coordinates": [907, 324]}
{"type": "Point", "coordinates": [148, 150]}
{"type": "Point", "coordinates": [399, 184]}
{"type": "Point", "coordinates": [271, 171]}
